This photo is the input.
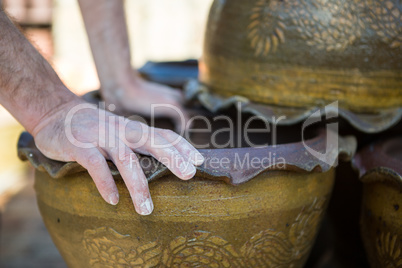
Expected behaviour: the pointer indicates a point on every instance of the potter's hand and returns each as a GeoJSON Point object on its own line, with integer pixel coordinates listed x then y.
{"type": "Point", "coordinates": [120, 84]}
{"type": "Point", "coordinates": [138, 97]}
{"type": "Point", "coordinates": [33, 93]}
{"type": "Point", "coordinates": [77, 132]}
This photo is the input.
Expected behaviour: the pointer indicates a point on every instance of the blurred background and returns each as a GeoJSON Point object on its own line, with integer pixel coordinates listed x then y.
{"type": "Point", "coordinates": [159, 31]}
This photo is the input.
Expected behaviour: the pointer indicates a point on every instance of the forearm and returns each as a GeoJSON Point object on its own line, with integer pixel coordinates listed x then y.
{"type": "Point", "coordinates": [29, 87]}
{"type": "Point", "coordinates": [107, 32]}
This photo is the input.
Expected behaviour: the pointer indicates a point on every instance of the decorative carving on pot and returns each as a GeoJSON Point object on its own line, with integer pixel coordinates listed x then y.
{"type": "Point", "coordinates": [104, 248]}
{"type": "Point", "coordinates": [269, 248]}
{"type": "Point", "coordinates": [267, 24]}
{"type": "Point", "coordinates": [201, 249]}
{"type": "Point", "coordinates": [381, 217]}
{"type": "Point", "coordinates": [305, 227]}
{"type": "Point", "coordinates": [389, 250]}
{"type": "Point", "coordinates": [275, 249]}
{"type": "Point", "coordinates": [294, 57]}
{"type": "Point", "coordinates": [334, 32]}
{"type": "Point", "coordinates": [265, 31]}
{"type": "Point", "coordinates": [384, 17]}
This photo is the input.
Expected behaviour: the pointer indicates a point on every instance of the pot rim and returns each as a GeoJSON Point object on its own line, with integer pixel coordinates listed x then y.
{"type": "Point", "coordinates": [368, 123]}
{"type": "Point", "coordinates": [297, 158]}
{"type": "Point", "coordinates": [375, 159]}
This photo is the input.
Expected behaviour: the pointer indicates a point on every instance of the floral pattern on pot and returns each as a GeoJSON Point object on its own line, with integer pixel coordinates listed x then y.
{"type": "Point", "coordinates": [331, 33]}
{"type": "Point", "coordinates": [276, 249]}
{"type": "Point", "coordinates": [338, 27]}
{"type": "Point", "coordinates": [201, 250]}
{"type": "Point", "coordinates": [102, 246]}
{"type": "Point", "coordinates": [389, 250]}
{"type": "Point", "coordinates": [265, 31]}
{"type": "Point", "coordinates": [334, 32]}
{"type": "Point", "coordinates": [269, 248]}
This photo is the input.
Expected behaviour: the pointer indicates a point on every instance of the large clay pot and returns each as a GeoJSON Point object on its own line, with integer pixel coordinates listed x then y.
{"type": "Point", "coordinates": [305, 54]}
{"type": "Point", "coordinates": [263, 215]}
{"type": "Point", "coordinates": [381, 218]}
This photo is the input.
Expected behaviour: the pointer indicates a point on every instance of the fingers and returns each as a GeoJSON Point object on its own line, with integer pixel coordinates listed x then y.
{"type": "Point", "coordinates": [167, 154]}
{"type": "Point", "coordinates": [95, 163]}
{"type": "Point", "coordinates": [183, 146]}
{"type": "Point", "coordinates": [128, 165]}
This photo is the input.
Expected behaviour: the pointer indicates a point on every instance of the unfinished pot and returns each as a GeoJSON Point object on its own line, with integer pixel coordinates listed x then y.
{"type": "Point", "coordinates": [380, 167]}
{"type": "Point", "coordinates": [259, 215]}
{"type": "Point", "coordinates": [304, 55]}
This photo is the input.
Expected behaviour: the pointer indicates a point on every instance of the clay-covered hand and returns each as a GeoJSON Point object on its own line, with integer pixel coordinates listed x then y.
{"type": "Point", "coordinates": [78, 131]}
{"type": "Point", "coordinates": [138, 96]}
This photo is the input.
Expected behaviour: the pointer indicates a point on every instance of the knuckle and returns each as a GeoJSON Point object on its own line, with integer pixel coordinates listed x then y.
{"type": "Point", "coordinates": [95, 160]}
{"type": "Point", "coordinates": [114, 150]}
{"type": "Point", "coordinates": [149, 144]}
{"type": "Point", "coordinates": [127, 159]}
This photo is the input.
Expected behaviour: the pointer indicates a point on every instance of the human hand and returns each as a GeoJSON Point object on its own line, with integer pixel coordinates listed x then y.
{"type": "Point", "coordinates": [138, 95]}
{"type": "Point", "coordinates": [77, 131]}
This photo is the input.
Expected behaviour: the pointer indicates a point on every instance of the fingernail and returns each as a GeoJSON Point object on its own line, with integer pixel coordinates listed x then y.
{"type": "Point", "coordinates": [114, 199]}
{"type": "Point", "coordinates": [197, 158]}
{"type": "Point", "coordinates": [146, 207]}
{"type": "Point", "coordinates": [187, 170]}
